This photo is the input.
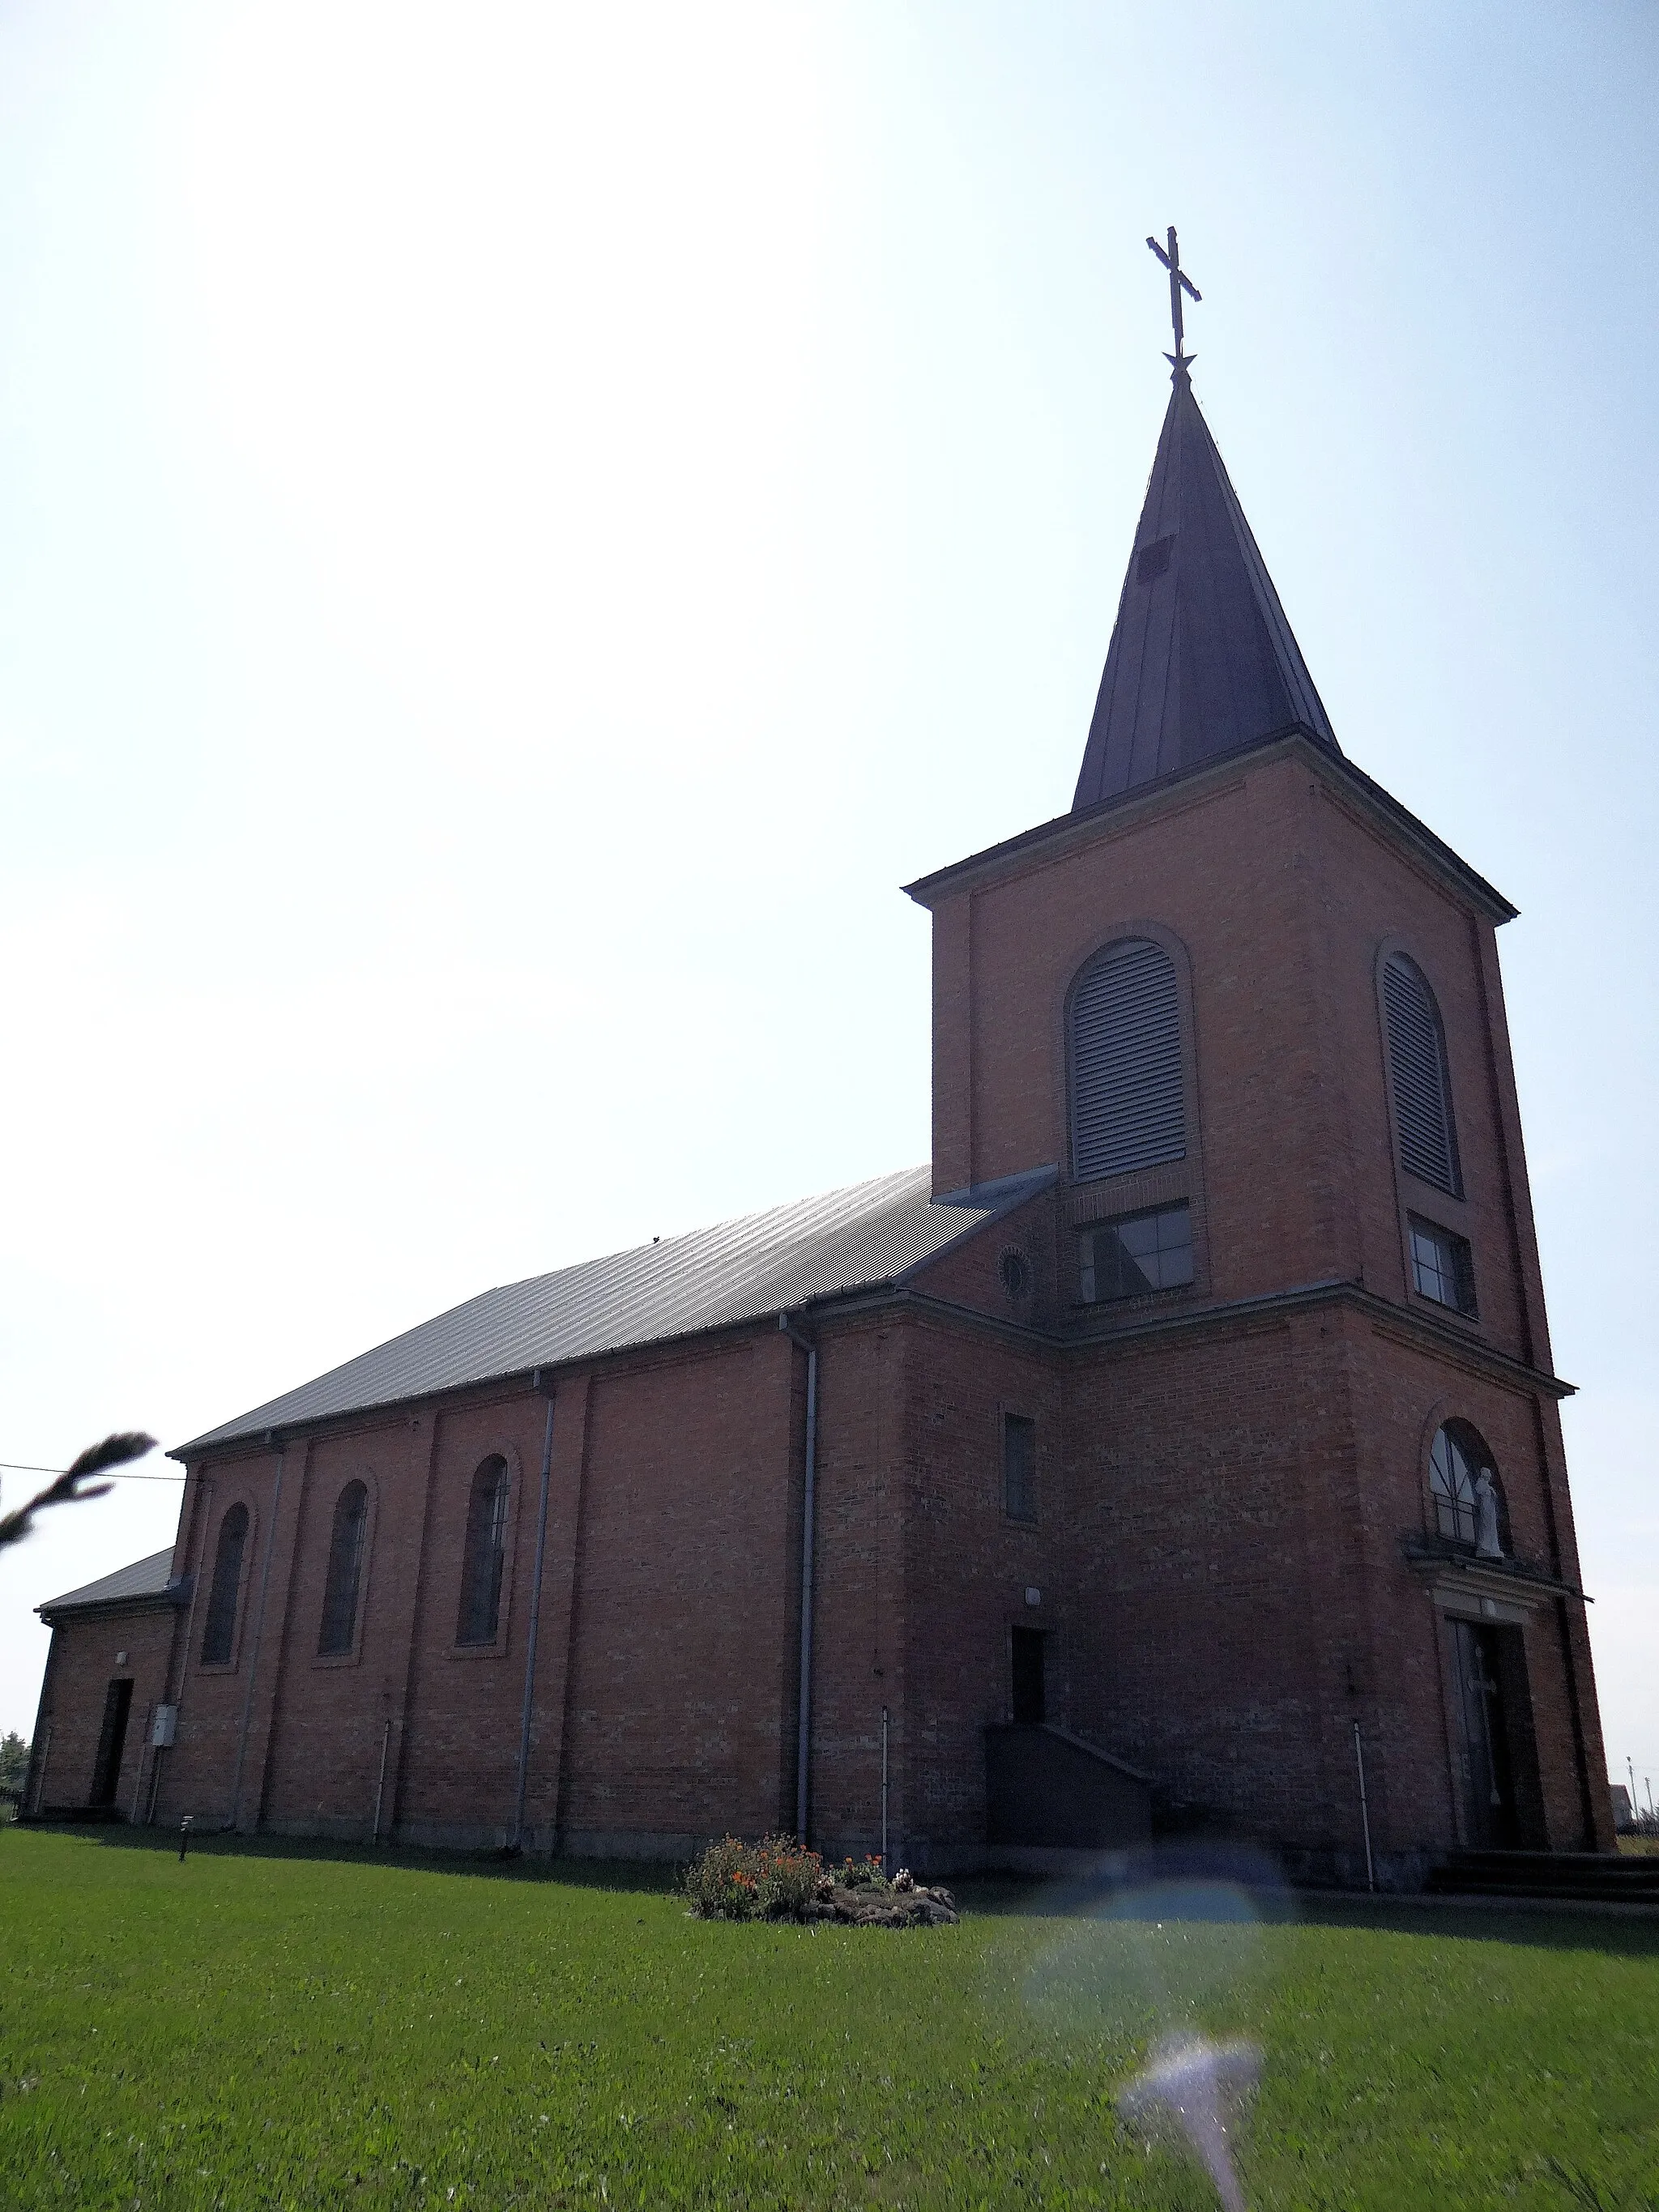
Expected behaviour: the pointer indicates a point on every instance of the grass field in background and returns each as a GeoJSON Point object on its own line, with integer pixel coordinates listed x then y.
{"type": "Point", "coordinates": [263, 2026]}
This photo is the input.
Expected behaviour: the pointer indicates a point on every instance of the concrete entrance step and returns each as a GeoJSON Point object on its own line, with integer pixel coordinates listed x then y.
{"type": "Point", "coordinates": [1605, 1877]}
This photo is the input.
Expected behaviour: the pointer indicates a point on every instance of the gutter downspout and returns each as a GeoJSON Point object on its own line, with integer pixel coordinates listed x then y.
{"type": "Point", "coordinates": [259, 1631]}
{"type": "Point", "coordinates": [43, 1737]}
{"type": "Point", "coordinates": [516, 1841]}
{"type": "Point", "coordinates": [804, 1718]}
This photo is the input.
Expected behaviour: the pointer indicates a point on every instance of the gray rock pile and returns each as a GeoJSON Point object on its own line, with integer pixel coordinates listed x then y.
{"type": "Point", "coordinates": [914, 1906]}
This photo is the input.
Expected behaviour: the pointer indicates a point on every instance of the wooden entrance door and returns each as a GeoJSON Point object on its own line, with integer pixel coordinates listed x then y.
{"type": "Point", "coordinates": [111, 1742]}
{"type": "Point", "coordinates": [1491, 1812]}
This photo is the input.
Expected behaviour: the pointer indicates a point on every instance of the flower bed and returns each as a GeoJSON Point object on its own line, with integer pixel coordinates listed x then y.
{"type": "Point", "coordinates": [776, 1880]}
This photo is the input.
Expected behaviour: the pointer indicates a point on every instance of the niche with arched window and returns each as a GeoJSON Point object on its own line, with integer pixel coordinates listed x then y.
{"type": "Point", "coordinates": [1418, 1072]}
{"type": "Point", "coordinates": [485, 1555]}
{"type": "Point", "coordinates": [338, 1633]}
{"type": "Point", "coordinates": [1464, 1492]}
{"type": "Point", "coordinates": [1128, 1093]}
{"type": "Point", "coordinates": [219, 1636]}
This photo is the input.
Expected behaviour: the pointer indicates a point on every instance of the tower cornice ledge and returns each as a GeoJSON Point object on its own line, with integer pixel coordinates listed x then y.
{"type": "Point", "coordinates": [1066, 833]}
{"type": "Point", "coordinates": [1402, 1323]}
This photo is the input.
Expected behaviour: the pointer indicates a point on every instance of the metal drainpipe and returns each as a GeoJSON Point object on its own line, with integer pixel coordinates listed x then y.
{"type": "Point", "coordinates": [259, 1630]}
{"type": "Point", "coordinates": [379, 1787]}
{"type": "Point", "coordinates": [804, 1718]}
{"type": "Point", "coordinates": [1364, 1810]}
{"type": "Point", "coordinates": [138, 1778]}
{"type": "Point", "coordinates": [517, 1840]}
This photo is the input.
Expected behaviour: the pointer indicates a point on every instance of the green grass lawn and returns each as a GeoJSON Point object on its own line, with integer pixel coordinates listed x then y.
{"type": "Point", "coordinates": [270, 2028]}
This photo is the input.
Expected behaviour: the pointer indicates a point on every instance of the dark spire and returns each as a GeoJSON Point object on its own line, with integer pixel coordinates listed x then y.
{"type": "Point", "coordinates": [1202, 661]}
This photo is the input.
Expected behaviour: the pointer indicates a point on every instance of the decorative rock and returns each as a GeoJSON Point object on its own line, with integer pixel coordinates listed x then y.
{"type": "Point", "coordinates": [916, 1907]}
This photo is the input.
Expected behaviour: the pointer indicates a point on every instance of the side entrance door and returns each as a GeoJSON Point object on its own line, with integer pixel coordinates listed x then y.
{"type": "Point", "coordinates": [111, 1742]}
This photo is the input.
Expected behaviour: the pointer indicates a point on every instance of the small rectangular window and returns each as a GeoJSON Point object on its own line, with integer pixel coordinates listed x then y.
{"type": "Point", "coordinates": [1019, 1466]}
{"type": "Point", "coordinates": [1443, 1266]}
{"type": "Point", "coordinates": [1140, 1252]}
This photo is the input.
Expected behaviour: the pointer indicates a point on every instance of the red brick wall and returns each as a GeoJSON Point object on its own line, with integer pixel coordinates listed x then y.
{"type": "Point", "coordinates": [861, 1591]}
{"type": "Point", "coordinates": [1402, 1395]}
{"type": "Point", "coordinates": [198, 1774]}
{"type": "Point", "coordinates": [1217, 1551]}
{"type": "Point", "coordinates": [1276, 899]}
{"type": "Point", "coordinates": [970, 1275]}
{"type": "Point", "coordinates": [321, 1721]}
{"type": "Point", "coordinates": [665, 1674]}
{"type": "Point", "coordinates": [680, 1694]}
{"type": "Point", "coordinates": [85, 1659]}
{"type": "Point", "coordinates": [969, 1567]}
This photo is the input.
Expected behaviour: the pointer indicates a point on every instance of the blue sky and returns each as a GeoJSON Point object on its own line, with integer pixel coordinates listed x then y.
{"type": "Point", "coordinates": [521, 527]}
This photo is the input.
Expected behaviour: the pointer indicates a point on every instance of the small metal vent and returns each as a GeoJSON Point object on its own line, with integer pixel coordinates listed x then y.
{"type": "Point", "coordinates": [1152, 560]}
{"type": "Point", "coordinates": [1128, 1107]}
{"type": "Point", "coordinates": [1416, 1067]}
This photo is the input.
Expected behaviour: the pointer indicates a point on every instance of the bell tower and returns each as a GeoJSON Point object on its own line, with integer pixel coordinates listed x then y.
{"type": "Point", "coordinates": [1248, 1009]}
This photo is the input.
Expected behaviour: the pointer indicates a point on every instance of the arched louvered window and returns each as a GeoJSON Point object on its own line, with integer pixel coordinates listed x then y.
{"type": "Point", "coordinates": [345, 1572]}
{"type": "Point", "coordinates": [1417, 1068]}
{"type": "Point", "coordinates": [486, 1552]}
{"type": "Point", "coordinates": [1128, 1105]}
{"type": "Point", "coordinates": [1459, 1466]}
{"type": "Point", "coordinates": [219, 1636]}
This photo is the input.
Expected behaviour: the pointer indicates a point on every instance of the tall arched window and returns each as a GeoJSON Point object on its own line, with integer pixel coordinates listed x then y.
{"type": "Point", "coordinates": [1129, 1108]}
{"type": "Point", "coordinates": [1417, 1068]}
{"type": "Point", "coordinates": [219, 1636]}
{"type": "Point", "coordinates": [345, 1570]}
{"type": "Point", "coordinates": [486, 1550]}
{"type": "Point", "coordinates": [1469, 1499]}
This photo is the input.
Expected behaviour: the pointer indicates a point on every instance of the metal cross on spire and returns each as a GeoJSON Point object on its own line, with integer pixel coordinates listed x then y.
{"type": "Point", "coordinates": [1180, 281]}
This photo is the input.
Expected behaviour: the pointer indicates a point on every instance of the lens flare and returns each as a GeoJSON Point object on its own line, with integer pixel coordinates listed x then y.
{"type": "Point", "coordinates": [1194, 2088]}
{"type": "Point", "coordinates": [1163, 1951]}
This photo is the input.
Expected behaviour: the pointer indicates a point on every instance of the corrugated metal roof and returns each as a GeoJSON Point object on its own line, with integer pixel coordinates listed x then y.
{"type": "Point", "coordinates": [870, 1235]}
{"type": "Point", "coordinates": [144, 1578]}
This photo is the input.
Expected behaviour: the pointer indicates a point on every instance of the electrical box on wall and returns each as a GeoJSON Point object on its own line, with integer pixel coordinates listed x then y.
{"type": "Point", "coordinates": [166, 1725]}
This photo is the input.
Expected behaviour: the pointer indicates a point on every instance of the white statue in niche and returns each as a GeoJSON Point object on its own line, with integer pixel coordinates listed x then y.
{"type": "Point", "coordinates": [1486, 1545]}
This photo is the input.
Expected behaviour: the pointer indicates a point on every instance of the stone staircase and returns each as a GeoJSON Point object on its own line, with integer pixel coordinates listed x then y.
{"type": "Point", "coordinates": [1567, 1877]}
{"type": "Point", "coordinates": [1047, 1788]}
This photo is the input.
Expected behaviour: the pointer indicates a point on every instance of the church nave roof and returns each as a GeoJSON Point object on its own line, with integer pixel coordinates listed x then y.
{"type": "Point", "coordinates": [863, 1237]}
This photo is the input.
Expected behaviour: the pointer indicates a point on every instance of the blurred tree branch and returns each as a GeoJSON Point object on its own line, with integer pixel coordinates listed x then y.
{"type": "Point", "coordinates": [113, 1451]}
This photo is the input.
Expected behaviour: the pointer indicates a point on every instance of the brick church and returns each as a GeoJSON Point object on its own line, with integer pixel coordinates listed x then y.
{"type": "Point", "coordinates": [1184, 1436]}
